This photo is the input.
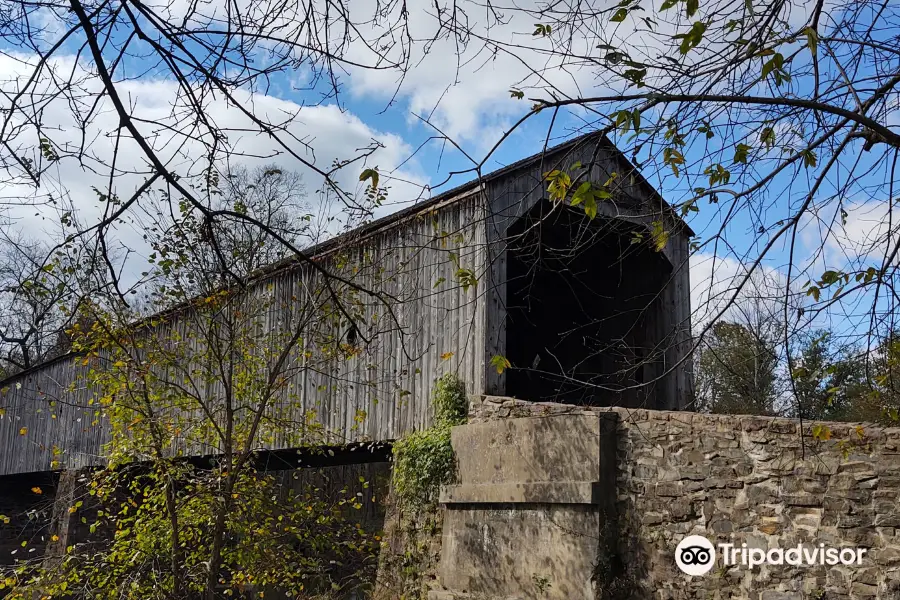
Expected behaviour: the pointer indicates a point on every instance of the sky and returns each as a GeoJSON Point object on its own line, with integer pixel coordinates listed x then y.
{"type": "Point", "coordinates": [466, 97]}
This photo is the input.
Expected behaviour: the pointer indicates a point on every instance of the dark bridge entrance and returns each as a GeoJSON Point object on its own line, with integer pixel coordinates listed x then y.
{"type": "Point", "coordinates": [583, 297]}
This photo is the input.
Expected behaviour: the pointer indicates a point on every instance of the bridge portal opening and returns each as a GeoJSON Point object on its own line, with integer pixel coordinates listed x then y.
{"type": "Point", "coordinates": [583, 308]}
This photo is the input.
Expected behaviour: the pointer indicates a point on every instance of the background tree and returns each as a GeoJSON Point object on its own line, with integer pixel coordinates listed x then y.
{"type": "Point", "coordinates": [737, 372]}
{"type": "Point", "coordinates": [882, 368]}
{"type": "Point", "coordinates": [40, 296]}
{"type": "Point", "coordinates": [271, 196]}
{"type": "Point", "coordinates": [831, 381]}
{"type": "Point", "coordinates": [846, 383]}
{"type": "Point", "coordinates": [226, 251]}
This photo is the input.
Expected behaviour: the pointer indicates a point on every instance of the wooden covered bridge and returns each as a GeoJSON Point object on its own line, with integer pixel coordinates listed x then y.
{"type": "Point", "coordinates": [584, 310]}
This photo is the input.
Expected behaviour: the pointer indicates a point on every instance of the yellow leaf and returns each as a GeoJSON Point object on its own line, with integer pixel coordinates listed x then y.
{"type": "Point", "coordinates": [501, 363]}
{"type": "Point", "coordinates": [37, 490]}
{"type": "Point", "coordinates": [446, 355]}
{"type": "Point", "coordinates": [54, 538]}
{"type": "Point", "coordinates": [72, 509]}
{"type": "Point", "coordinates": [23, 431]}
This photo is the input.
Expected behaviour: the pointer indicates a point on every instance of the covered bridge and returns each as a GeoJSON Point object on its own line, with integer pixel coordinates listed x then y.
{"type": "Point", "coordinates": [584, 310]}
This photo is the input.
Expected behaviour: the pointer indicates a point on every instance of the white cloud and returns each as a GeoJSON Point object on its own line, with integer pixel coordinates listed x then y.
{"type": "Point", "coordinates": [464, 85]}
{"type": "Point", "coordinates": [327, 134]}
{"type": "Point", "coordinates": [467, 96]}
{"type": "Point", "coordinates": [862, 232]}
{"type": "Point", "coordinates": [717, 284]}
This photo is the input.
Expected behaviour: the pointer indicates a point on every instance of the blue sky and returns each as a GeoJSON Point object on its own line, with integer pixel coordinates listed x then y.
{"type": "Point", "coordinates": [475, 111]}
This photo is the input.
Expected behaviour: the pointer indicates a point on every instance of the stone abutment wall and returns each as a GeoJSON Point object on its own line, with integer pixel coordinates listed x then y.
{"type": "Point", "coordinates": [733, 479]}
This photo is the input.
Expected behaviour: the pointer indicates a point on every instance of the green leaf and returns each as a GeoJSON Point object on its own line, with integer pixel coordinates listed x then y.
{"type": "Point", "coordinates": [692, 7]}
{"type": "Point", "coordinates": [582, 193]}
{"type": "Point", "coordinates": [615, 57]}
{"type": "Point", "coordinates": [692, 38]}
{"type": "Point", "coordinates": [740, 153]}
{"type": "Point", "coordinates": [517, 94]}
{"type": "Point", "coordinates": [767, 137]}
{"type": "Point", "coordinates": [821, 432]}
{"type": "Point", "coordinates": [370, 174]}
{"type": "Point", "coordinates": [775, 67]}
{"type": "Point", "coordinates": [559, 185]}
{"type": "Point", "coordinates": [812, 39]}
{"type": "Point", "coordinates": [635, 76]}
{"type": "Point", "coordinates": [660, 235]}
{"type": "Point", "coordinates": [501, 363]}
{"type": "Point", "coordinates": [466, 278]}
{"type": "Point", "coordinates": [590, 207]}
{"type": "Point", "coordinates": [689, 206]}
{"type": "Point", "coordinates": [623, 120]}
{"type": "Point", "coordinates": [717, 174]}
{"type": "Point", "coordinates": [620, 15]}
{"type": "Point", "coordinates": [668, 4]}
{"type": "Point", "coordinates": [673, 158]}
{"type": "Point", "coordinates": [809, 158]}
{"type": "Point", "coordinates": [829, 277]}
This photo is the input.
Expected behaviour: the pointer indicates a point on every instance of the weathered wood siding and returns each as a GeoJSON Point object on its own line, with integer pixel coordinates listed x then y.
{"type": "Point", "coordinates": [52, 420]}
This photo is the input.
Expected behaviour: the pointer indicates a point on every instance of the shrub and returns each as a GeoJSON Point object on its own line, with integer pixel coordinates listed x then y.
{"type": "Point", "coordinates": [424, 460]}
{"type": "Point", "coordinates": [449, 400]}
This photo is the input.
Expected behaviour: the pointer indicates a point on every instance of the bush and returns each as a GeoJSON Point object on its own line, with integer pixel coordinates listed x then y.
{"type": "Point", "coordinates": [449, 400]}
{"type": "Point", "coordinates": [424, 460]}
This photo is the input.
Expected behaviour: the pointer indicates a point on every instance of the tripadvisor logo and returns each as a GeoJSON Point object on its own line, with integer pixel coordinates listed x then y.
{"type": "Point", "coordinates": [696, 555]}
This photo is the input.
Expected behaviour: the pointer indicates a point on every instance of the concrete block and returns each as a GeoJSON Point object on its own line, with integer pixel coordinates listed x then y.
{"type": "Point", "coordinates": [570, 492]}
{"type": "Point", "coordinates": [509, 552]}
{"type": "Point", "coordinates": [559, 448]}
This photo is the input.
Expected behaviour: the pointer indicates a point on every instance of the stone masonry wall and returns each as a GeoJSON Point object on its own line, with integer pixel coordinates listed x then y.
{"type": "Point", "coordinates": [742, 479]}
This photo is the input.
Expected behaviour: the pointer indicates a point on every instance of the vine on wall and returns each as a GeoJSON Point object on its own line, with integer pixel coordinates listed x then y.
{"type": "Point", "coordinates": [424, 460]}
